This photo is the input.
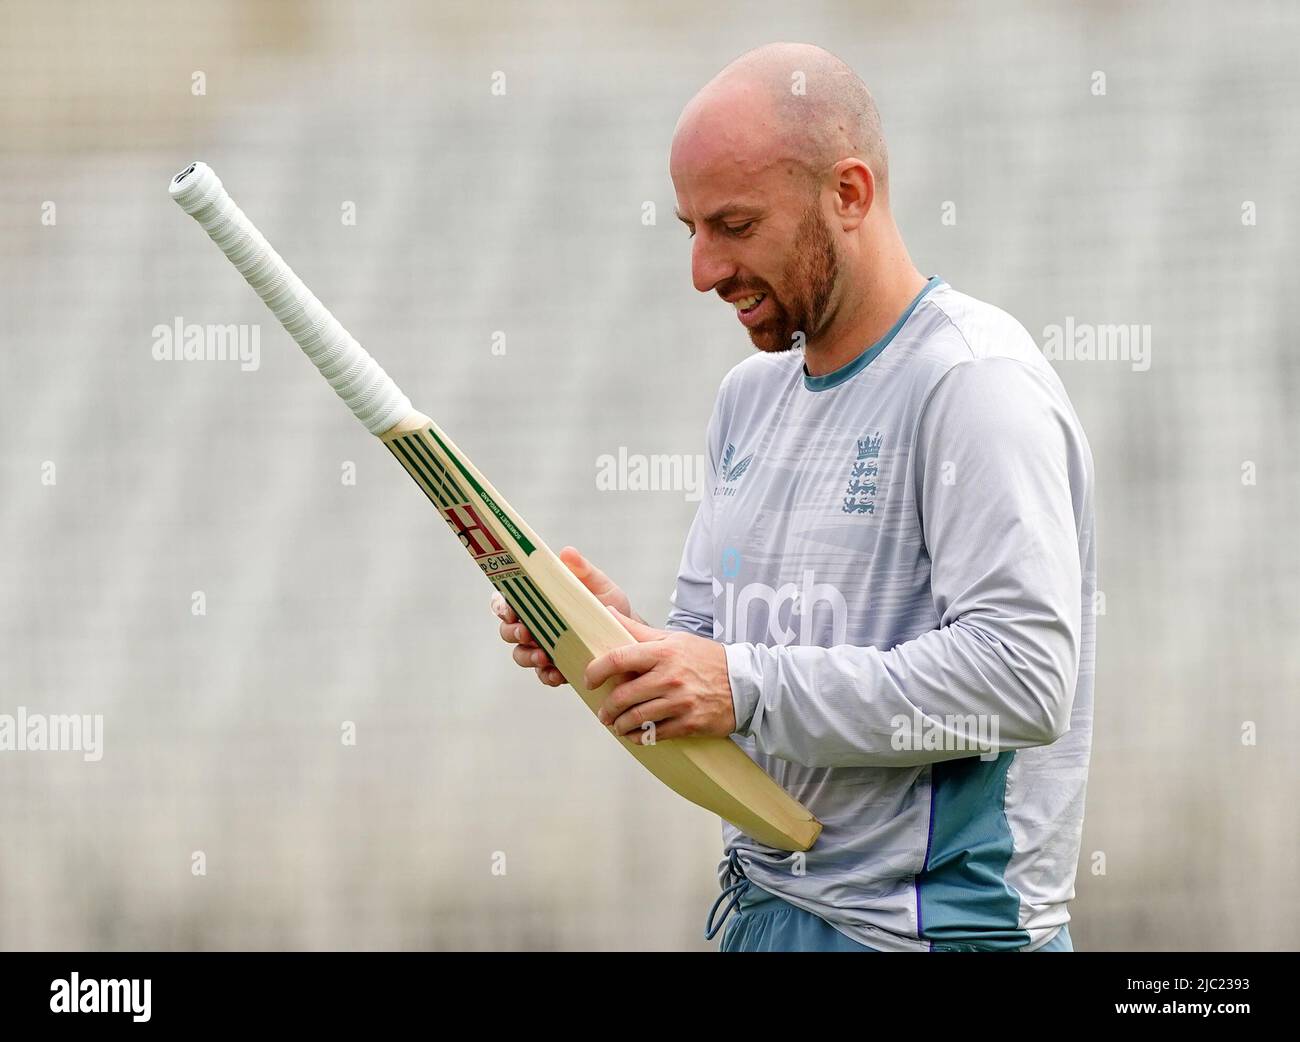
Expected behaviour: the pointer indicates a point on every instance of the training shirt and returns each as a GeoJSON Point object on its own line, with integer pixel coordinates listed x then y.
{"type": "Point", "coordinates": [908, 538]}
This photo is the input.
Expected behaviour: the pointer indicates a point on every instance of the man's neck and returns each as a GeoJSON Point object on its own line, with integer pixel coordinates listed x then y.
{"type": "Point", "coordinates": [877, 307]}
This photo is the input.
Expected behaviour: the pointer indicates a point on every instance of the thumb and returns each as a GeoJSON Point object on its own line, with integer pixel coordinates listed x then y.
{"type": "Point", "coordinates": [639, 630]}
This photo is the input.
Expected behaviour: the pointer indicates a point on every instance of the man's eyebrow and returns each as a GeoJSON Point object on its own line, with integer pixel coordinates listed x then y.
{"type": "Point", "coordinates": [726, 210]}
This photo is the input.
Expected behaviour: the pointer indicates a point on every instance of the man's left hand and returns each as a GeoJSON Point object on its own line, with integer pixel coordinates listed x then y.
{"type": "Point", "coordinates": [678, 685]}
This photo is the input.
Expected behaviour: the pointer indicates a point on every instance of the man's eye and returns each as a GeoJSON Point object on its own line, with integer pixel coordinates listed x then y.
{"type": "Point", "coordinates": [740, 229]}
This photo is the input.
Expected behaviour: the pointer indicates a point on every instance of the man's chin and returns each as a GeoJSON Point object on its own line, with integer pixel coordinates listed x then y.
{"type": "Point", "coordinates": [770, 340]}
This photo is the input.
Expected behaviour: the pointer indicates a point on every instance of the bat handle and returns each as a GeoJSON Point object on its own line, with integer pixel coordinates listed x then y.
{"type": "Point", "coordinates": [357, 378]}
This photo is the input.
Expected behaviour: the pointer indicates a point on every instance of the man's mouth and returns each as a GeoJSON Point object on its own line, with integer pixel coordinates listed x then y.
{"type": "Point", "coordinates": [753, 310]}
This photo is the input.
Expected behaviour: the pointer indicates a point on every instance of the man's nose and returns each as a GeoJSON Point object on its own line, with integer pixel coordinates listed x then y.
{"type": "Point", "coordinates": [709, 265]}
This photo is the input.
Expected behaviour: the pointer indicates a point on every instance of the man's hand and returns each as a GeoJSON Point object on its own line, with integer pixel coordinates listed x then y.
{"type": "Point", "coordinates": [527, 652]}
{"type": "Point", "coordinates": [679, 685]}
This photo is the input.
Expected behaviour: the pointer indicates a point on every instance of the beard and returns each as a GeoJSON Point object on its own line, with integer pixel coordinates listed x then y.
{"type": "Point", "coordinates": [799, 309]}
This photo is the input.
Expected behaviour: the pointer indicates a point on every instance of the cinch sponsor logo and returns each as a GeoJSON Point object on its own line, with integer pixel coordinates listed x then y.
{"type": "Point", "coordinates": [732, 623]}
{"type": "Point", "coordinates": [74, 995]}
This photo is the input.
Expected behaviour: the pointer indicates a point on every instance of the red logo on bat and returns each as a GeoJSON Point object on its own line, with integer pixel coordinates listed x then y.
{"type": "Point", "coordinates": [476, 537]}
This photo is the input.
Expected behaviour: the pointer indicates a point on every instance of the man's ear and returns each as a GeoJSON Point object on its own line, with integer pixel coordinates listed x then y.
{"type": "Point", "coordinates": [855, 192]}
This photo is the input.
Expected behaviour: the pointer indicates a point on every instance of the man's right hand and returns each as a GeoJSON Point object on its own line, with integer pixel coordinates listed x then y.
{"type": "Point", "coordinates": [526, 652]}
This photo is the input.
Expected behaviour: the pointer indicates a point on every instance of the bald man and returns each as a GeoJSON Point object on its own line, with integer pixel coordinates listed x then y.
{"type": "Point", "coordinates": [886, 600]}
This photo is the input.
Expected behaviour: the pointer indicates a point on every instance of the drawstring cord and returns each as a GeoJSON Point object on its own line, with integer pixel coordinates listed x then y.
{"type": "Point", "coordinates": [737, 882]}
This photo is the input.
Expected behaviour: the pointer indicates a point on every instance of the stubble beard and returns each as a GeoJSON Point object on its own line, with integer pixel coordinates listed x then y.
{"type": "Point", "coordinates": [808, 282]}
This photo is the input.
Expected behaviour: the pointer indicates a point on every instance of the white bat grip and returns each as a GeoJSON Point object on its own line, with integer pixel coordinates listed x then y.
{"type": "Point", "coordinates": [357, 378]}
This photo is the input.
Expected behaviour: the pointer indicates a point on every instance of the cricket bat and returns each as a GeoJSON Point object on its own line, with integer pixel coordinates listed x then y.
{"type": "Point", "coordinates": [564, 617]}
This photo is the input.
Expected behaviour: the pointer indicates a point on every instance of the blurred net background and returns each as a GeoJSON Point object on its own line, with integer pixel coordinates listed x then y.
{"type": "Point", "coordinates": [480, 213]}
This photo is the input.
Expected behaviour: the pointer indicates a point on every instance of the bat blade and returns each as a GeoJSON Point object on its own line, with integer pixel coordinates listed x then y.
{"type": "Point", "coordinates": [573, 627]}
{"type": "Point", "coordinates": [564, 616]}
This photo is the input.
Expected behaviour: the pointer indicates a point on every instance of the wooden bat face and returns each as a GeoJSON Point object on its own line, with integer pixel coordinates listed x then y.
{"type": "Point", "coordinates": [436, 466]}
{"type": "Point", "coordinates": [574, 627]}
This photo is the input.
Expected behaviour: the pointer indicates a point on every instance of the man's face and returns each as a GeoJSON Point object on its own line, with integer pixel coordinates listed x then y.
{"type": "Point", "coordinates": [760, 241]}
